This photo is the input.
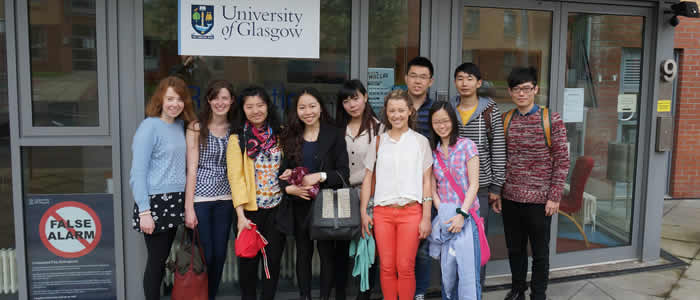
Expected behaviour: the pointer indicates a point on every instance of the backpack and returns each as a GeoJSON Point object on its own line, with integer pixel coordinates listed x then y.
{"type": "Point", "coordinates": [546, 122]}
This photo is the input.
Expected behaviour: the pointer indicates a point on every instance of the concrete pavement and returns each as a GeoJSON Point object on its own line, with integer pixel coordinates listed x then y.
{"type": "Point", "coordinates": [680, 237]}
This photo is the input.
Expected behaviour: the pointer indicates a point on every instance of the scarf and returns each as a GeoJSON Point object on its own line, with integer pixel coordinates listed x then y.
{"type": "Point", "coordinates": [297, 177]}
{"type": "Point", "coordinates": [258, 140]}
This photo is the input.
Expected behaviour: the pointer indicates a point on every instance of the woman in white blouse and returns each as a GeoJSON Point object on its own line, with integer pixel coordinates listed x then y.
{"type": "Point", "coordinates": [402, 193]}
{"type": "Point", "coordinates": [361, 129]}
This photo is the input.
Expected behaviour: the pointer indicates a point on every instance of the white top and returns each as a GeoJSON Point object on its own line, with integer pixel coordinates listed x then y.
{"type": "Point", "coordinates": [357, 151]}
{"type": "Point", "coordinates": [400, 167]}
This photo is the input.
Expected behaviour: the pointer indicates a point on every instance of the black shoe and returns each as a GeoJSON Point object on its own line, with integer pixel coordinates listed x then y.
{"type": "Point", "coordinates": [363, 295]}
{"type": "Point", "coordinates": [515, 295]}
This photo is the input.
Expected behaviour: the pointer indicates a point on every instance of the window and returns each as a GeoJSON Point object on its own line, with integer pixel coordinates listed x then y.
{"type": "Point", "coordinates": [472, 22]}
{"type": "Point", "coordinates": [509, 24]}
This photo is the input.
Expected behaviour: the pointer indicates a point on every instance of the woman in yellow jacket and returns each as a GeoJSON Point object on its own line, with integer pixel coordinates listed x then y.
{"type": "Point", "coordinates": [253, 161]}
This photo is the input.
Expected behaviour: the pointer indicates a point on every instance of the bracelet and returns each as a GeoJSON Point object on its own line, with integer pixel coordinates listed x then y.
{"type": "Point", "coordinates": [462, 212]}
{"type": "Point", "coordinates": [145, 212]}
{"type": "Point", "coordinates": [426, 199]}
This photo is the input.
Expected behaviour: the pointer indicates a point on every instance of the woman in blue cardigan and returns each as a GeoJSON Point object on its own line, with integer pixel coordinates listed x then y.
{"type": "Point", "coordinates": [158, 175]}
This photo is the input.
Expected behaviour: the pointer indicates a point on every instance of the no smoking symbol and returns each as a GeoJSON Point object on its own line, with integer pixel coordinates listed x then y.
{"type": "Point", "coordinates": [70, 229]}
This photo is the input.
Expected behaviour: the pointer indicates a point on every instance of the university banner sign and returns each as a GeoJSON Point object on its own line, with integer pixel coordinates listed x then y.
{"type": "Point", "coordinates": [258, 28]}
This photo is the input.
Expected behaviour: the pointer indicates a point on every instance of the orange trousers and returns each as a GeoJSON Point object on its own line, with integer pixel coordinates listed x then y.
{"type": "Point", "coordinates": [396, 235]}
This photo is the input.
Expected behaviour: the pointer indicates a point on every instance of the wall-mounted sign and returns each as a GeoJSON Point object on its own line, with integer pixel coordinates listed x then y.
{"type": "Point", "coordinates": [70, 246]}
{"type": "Point", "coordinates": [573, 105]}
{"type": "Point", "coordinates": [380, 81]}
{"type": "Point", "coordinates": [259, 28]}
{"type": "Point", "coordinates": [663, 106]}
{"type": "Point", "coordinates": [627, 103]}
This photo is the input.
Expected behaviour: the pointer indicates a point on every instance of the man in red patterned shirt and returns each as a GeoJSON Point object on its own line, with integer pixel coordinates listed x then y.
{"type": "Point", "coordinates": [535, 174]}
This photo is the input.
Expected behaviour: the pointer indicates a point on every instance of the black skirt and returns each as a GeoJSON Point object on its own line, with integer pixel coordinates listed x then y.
{"type": "Point", "coordinates": [167, 210]}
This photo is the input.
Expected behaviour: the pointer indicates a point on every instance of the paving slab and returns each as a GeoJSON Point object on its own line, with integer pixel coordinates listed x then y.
{"type": "Point", "coordinates": [494, 295]}
{"type": "Point", "coordinates": [565, 290]}
{"type": "Point", "coordinates": [648, 283]}
{"type": "Point", "coordinates": [686, 290]}
{"type": "Point", "coordinates": [680, 233]}
{"type": "Point", "coordinates": [680, 248]}
{"type": "Point", "coordinates": [670, 204]}
{"type": "Point", "coordinates": [613, 290]}
{"type": "Point", "coordinates": [693, 272]}
{"type": "Point", "coordinates": [590, 291]}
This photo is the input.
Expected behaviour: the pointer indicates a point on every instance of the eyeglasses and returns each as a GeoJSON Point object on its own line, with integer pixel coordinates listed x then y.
{"type": "Point", "coordinates": [442, 122]}
{"type": "Point", "coordinates": [525, 89]}
{"type": "Point", "coordinates": [414, 76]}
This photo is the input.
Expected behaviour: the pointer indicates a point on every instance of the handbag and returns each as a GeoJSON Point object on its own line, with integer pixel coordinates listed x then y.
{"type": "Point", "coordinates": [335, 214]}
{"type": "Point", "coordinates": [483, 241]}
{"type": "Point", "coordinates": [192, 282]}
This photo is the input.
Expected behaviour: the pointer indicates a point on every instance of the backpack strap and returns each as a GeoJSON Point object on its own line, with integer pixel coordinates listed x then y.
{"type": "Point", "coordinates": [507, 117]}
{"type": "Point", "coordinates": [489, 126]}
{"type": "Point", "coordinates": [547, 126]}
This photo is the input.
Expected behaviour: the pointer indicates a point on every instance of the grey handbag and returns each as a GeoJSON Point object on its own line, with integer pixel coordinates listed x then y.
{"type": "Point", "coordinates": [335, 214]}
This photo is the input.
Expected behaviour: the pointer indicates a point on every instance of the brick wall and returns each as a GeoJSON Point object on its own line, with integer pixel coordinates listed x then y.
{"type": "Point", "coordinates": [685, 178]}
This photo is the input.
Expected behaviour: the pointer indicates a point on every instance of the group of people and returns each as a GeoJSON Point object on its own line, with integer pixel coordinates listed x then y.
{"type": "Point", "coordinates": [419, 167]}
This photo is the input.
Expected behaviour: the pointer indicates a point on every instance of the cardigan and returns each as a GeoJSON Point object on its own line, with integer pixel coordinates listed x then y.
{"type": "Point", "coordinates": [241, 175]}
{"type": "Point", "coordinates": [158, 164]}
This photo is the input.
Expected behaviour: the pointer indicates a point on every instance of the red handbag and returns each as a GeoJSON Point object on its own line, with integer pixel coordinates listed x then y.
{"type": "Point", "coordinates": [192, 285]}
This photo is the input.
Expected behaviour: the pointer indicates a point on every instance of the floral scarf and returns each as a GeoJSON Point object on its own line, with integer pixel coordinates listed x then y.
{"type": "Point", "coordinates": [258, 140]}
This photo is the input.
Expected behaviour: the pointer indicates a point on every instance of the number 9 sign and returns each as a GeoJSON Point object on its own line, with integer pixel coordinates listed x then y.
{"type": "Point", "coordinates": [669, 68]}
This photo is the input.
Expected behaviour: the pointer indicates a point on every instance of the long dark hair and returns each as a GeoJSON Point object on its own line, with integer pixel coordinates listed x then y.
{"type": "Point", "coordinates": [272, 119]}
{"type": "Point", "coordinates": [454, 133]}
{"type": "Point", "coordinates": [293, 132]}
{"type": "Point", "coordinates": [349, 90]}
{"type": "Point", "coordinates": [205, 115]}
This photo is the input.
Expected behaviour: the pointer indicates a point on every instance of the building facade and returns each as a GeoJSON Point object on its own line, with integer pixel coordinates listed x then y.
{"type": "Point", "coordinates": [685, 179]}
{"type": "Point", "coordinates": [75, 76]}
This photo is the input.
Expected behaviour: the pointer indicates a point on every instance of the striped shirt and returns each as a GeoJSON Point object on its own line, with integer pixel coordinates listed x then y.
{"type": "Point", "coordinates": [535, 173]}
{"type": "Point", "coordinates": [423, 118]}
{"type": "Point", "coordinates": [492, 156]}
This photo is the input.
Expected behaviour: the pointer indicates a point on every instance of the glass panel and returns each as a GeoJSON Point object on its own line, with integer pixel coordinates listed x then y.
{"type": "Point", "coordinates": [603, 78]}
{"type": "Point", "coordinates": [394, 39]}
{"type": "Point", "coordinates": [7, 220]}
{"type": "Point", "coordinates": [280, 76]}
{"type": "Point", "coordinates": [523, 39]}
{"type": "Point", "coordinates": [63, 51]}
{"type": "Point", "coordinates": [67, 170]}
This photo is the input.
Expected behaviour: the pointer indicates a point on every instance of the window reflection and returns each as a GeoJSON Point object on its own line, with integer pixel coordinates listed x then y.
{"type": "Point", "coordinates": [524, 39]}
{"type": "Point", "coordinates": [603, 67]}
{"type": "Point", "coordinates": [63, 51]}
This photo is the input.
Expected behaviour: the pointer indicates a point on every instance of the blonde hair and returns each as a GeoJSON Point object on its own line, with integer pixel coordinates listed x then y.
{"type": "Point", "coordinates": [399, 95]}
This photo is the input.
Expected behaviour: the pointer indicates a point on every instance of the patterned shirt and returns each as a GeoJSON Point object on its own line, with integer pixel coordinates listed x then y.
{"type": "Point", "coordinates": [212, 183]}
{"type": "Point", "coordinates": [458, 156]}
{"type": "Point", "coordinates": [267, 187]}
{"type": "Point", "coordinates": [535, 173]}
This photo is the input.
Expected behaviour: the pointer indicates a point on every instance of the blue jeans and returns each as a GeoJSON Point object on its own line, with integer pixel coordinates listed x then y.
{"type": "Point", "coordinates": [215, 218]}
{"type": "Point", "coordinates": [424, 263]}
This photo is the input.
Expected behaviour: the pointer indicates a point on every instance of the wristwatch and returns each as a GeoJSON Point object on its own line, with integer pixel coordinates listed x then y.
{"type": "Point", "coordinates": [462, 212]}
{"type": "Point", "coordinates": [323, 176]}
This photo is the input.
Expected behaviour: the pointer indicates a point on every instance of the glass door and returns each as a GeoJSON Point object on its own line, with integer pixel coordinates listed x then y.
{"type": "Point", "coordinates": [498, 38]}
{"type": "Point", "coordinates": [602, 98]}
{"type": "Point", "coordinates": [590, 62]}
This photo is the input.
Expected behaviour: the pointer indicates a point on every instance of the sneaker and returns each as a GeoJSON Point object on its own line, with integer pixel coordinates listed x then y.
{"type": "Point", "coordinates": [420, 297]}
